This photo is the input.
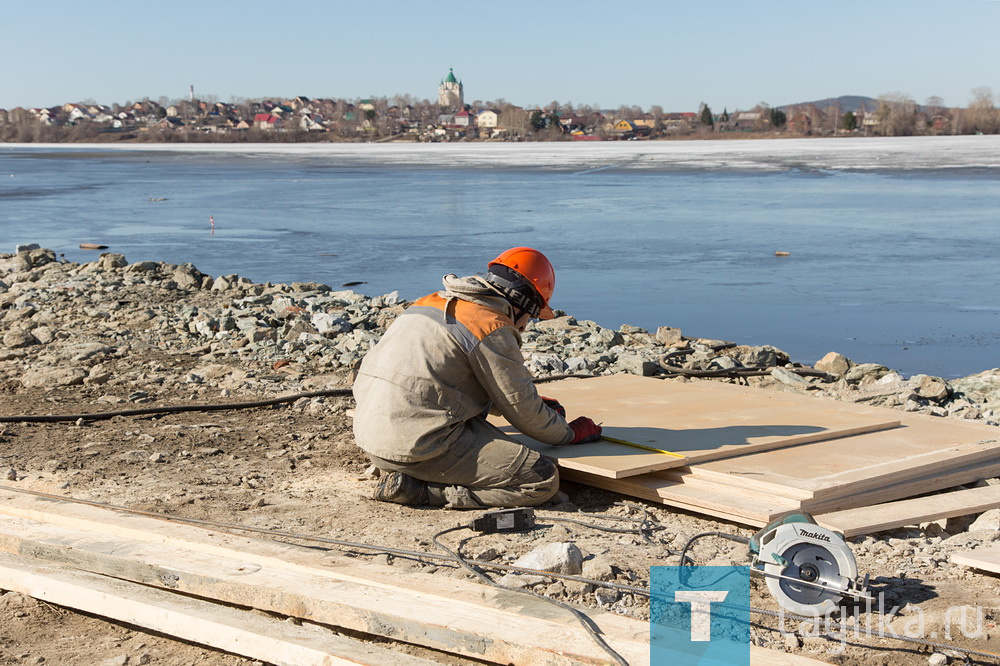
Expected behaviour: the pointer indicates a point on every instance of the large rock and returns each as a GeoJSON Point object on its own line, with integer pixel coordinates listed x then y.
{"type": "Point", "coordinates": [982, 388]}
{"type": "Point", "coordinates": [986, 521]}
{"type": "Point", "coordinates": [834, 363]}
{"type": "Point", "coordinates": [18, 338]}
{"type": "Point", "coordinates": [636, 365]}
{"type": "Point", "coordinates": [758, 357]}
{"type": "Point", "coordinates": [111, 260]}
{"type": "Point", "coordinates": [560, 557]}
{"type": "Point", "coordinates": [932, 388]}
{"type": "Point", "coordinates": [866, 373]}
{"type": "Point", "coordinates": [668, 336]}
{"type": "Point", "coordinates": [53, 377]}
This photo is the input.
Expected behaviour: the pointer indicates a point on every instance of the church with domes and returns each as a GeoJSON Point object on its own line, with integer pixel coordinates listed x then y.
{"type": "Point", "coordinates": [451, 95]}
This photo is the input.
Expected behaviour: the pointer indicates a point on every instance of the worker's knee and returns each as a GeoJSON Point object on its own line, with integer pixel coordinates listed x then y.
{"type": "Point", "coordinates": [545, 469]}
{"type": "Point", "coordinates": [546, 486]}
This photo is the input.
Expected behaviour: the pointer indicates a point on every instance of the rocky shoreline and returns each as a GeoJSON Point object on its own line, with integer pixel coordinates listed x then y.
{"type": "Point", "coordinates": [68, 324]}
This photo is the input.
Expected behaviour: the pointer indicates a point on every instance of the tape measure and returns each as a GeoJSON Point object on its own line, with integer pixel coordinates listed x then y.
{"type": "Point", "coordinates": [642, 446]}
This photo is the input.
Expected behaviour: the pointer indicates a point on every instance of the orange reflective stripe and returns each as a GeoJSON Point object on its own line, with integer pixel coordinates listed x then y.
{"type": "Point", "coordinates": [478, 319]}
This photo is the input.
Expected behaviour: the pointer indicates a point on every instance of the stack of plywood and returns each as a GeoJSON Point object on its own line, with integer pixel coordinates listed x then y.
{"type": "Point", "coordinates": [747, 454]}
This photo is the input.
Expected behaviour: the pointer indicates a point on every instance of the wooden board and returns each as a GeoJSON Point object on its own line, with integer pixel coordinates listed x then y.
{"type": "Point", "coordinates": [442, 613]}
{"type": "Point", "coordinates": [712, 501]}
{"type": "Point", "coordinates": [986, 559]}
{"type": "Point", "coordinates": [869, 519]}
{"type": "Point", "coordinates": [922, 446]}
{"type": "Point", "coordinates": [240, 632]}
{"type": "Point", "coordinates": [701, 421]}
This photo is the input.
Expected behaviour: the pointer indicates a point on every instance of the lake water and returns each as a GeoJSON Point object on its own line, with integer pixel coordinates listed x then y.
{"type": "Point", "coordinates": [893, 242]}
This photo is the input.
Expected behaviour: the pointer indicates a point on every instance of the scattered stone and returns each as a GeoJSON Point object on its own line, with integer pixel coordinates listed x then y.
{"type": "Point", "coordinates": [989, 520]}
{"type": "Point", "coordinates": [53, 377]}
{"type": "Point", "coordinates": [834, 363]}
{"type": "Point", "coordinates": [668, 336]}
{"type": "Point", "coordinates": [932, 388]}
{"type": "Point", "coordinates": [937, 659]}
{"type": "Point", "coordinates": [605, 596]}
{"type": "Point", "coordinates": [559, 557]}
{"type": "Point", "coordinates": [790, 378]}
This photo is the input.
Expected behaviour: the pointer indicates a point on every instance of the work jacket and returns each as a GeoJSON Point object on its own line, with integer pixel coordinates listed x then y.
{"type": "Point", "coordinates": [450, 357]}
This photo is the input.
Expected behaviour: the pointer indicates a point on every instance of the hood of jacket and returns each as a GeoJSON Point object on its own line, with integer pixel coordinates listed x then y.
{"type": "Point", "coordinates": [477, 290]}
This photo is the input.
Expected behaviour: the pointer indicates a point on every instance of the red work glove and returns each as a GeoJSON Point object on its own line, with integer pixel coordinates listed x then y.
{"type": "Point", "coordinates": [554, 405]}
{"type": "Point", "coordinates": [584, 430]}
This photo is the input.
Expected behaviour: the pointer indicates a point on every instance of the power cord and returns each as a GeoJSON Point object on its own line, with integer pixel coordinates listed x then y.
{"type": "Point", "coordinates": [581, 617]}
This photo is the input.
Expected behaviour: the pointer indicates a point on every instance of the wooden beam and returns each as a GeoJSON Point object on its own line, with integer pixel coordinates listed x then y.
{"type": "Point", "coordinates": [209, 624]}
{"type": "Point", "coordinates": [441, 613]}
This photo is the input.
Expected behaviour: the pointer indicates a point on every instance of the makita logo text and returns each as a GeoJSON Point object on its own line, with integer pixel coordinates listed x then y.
{"type": "Point", "coordinates": [814, 535]}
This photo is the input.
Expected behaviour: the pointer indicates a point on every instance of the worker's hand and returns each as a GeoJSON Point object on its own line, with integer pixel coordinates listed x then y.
{"type": "Point", "coordinates": [554, 405]}
{"type": "Point", "coordinates": [584, 430]}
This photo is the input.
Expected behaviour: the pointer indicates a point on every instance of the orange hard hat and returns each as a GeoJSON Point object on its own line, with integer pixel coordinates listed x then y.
{"type": "Point", "coordinates": [534, 267]}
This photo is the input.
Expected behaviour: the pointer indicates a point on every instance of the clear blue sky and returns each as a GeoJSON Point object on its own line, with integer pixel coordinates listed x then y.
{"type": "Point", "coordinates": [726, 53]}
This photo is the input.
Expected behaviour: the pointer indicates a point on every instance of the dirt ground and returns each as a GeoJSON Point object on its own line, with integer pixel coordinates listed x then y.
{"type": "Point", "coordinates": [295, 468]}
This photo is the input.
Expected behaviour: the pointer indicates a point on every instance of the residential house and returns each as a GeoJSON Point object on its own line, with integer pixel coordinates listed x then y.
{"type": "Point", "coordinates": [267, 122]}
{"type": "Point", "coordinates": [487, 119]}
{"type": "Point", "coordinates": [311, 123]}
{"type": "Point", "coordinates": [167, 123]}
{"type": "Point", "coordinates": [462, 119]}
{"type": "Point", "coordinates": [679, 122]}
{"type": "Point", "coordinates": [77, 114]}
{"type": "Point", "coordinates": [645, 120]}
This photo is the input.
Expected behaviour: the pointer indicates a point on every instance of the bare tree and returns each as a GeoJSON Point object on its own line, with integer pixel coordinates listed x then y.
{"type": "Point", "coordinates": [896, 114]}
{"type": "Point", "coordinates": [982, 117]}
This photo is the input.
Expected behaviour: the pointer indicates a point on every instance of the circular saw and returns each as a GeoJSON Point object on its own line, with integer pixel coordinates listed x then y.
{"type": "Point", "coordinates": [810, 570]}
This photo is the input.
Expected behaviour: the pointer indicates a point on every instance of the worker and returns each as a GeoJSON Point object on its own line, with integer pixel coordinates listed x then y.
{"type": "Point", "coordinates": [453, 357]}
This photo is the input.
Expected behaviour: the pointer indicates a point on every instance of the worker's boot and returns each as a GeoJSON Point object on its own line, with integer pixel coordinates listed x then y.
{"type": "Point", "coordinates": [401, 489]}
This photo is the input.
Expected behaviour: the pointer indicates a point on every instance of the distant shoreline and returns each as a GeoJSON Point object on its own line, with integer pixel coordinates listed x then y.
{"type": "Point", "coordinates": [865, 154]}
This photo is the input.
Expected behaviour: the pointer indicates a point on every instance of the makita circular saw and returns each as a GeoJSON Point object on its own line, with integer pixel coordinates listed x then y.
{"type": "Point", "coordinates": [810, 569]}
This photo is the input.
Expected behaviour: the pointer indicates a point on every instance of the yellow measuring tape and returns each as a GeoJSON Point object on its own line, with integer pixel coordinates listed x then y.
{"type": "Point", "coordinates": [641, 446]}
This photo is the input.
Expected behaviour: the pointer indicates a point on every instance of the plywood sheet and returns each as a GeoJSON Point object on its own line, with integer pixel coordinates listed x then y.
{"type": "Point", "coordinates": [700, 421]}
{"type": "Point", "coordinates": [836, 468]}
{"type": "Point", "coordinates": [733, 506]}
{"type": "Point", "coordinates": [878, 517]}
{"type": "Point", "coordinates": [986, 559]}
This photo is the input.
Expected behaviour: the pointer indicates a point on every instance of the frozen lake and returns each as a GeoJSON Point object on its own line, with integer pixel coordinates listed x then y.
{"type": "Point", "coordinates": [892, 242]}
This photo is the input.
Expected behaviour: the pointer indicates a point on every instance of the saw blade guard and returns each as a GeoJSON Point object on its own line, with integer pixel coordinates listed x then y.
{"type": "Point", "coordinates": [809, 568]}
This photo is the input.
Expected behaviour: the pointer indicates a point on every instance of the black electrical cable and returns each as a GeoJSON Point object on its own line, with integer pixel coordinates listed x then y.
{"type": "Point", "coordinates": [582, 618]}
{"type": "Point", "coordinates": [173, 408]}
{"type": "Point", "coordinates": [724, 535]}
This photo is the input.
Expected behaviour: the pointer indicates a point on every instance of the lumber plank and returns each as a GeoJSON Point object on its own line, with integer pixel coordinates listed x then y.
{"type": "Point", "coordinates": [985, 559]}
{"type": "Point", "coordinates": [869, 519]}
{"type": "Point", "coordinates": [711, 501]}
{"type": "Point", "coordinates": [442, 613]}
{"type": "Point", "coordinates": [209, 624]}
{"type": "Point", "coordinates": [942, 481]}
{"type": "Point", "coordinates": [923, 445]}
{"type": "Point", "coordinates": [700, 421]}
